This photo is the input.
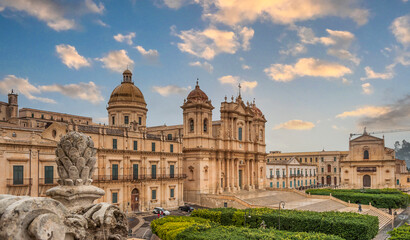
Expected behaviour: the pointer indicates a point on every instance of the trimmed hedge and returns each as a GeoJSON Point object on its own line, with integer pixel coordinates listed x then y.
{"type": "Point", "coordinates": [344, 224]}
{"type": "Point", "coordinates": [192, 228]}
{"type": "Point", "coordinates": [380, 198]}
{"type": "Point", "coordinates": [400, 233]}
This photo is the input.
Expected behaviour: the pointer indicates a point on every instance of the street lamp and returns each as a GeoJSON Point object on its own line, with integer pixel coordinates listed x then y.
{"type": "Point", "coordinates": [281, 203]}
{"type": "Point", "coordinates": [247, 211]}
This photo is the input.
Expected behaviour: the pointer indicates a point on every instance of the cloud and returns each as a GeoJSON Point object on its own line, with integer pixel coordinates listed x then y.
{"type": "Point", "coordinates": [125, 38]}
{"type": "Point", "coordinates": [171, 90]}
{"type": "Point", "coordinates": [151, 54]}
{"type": "Point", "coordinates": [212, 41]}
{"type": "Point", "coordinates": [306, 67]}
{"type": "Point", "coordinates": [234, 12]}
{"type": "Point", "coordinates": [205, 65]}
{"type": "Point", "coordinates": [235, 81]}
{"type": "Point", "coordinates": [294, 49]}
{"type": "Point", "coordinates": [346, 81]}
{"type": "Point", "coordinates": [93, 7]}
{"type": "Point", "coordinates": [338, 43]}
{"type": "Point", "coordinates": [53, 13]}
{"type": "Point", "coordinates": [117, 61]}
{"type": "Point", "coordinates": [246, 35]}
{"type": "Point", "coordinates": [70, 57]}
{"type": "Point", "coordinates": [245, 67]}
{"type": "Point", "coordinates": [367, 88]}
{"type": "Point", "coordinates": [370, 74]}
{"type": "Point", "coordinates": [395, 115]}
{"type": "Point", "coordinates": [366, 111]}
{"type": "Point", "coordinates": [174, 4]}
{"type": "Point", "coordinates": [295, 125]}
{"type": "Point", "coordinates": [85, 91]}
{"type": "Point", "coordinates": [101, 23]}
{"type": "Point", "coordinates": [401, 29]}
{"type": "Point", "coordinates": [103, 120]}
{"type": "Point", "coordinates": [22, 86]}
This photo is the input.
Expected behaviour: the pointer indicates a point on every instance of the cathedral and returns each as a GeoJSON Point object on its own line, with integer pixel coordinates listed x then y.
{"type": "Point", "coordinates": [140, 167]}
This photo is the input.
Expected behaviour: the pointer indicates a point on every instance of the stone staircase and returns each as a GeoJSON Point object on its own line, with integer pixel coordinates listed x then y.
{"type": "Point", "coordinates": [383, 219]}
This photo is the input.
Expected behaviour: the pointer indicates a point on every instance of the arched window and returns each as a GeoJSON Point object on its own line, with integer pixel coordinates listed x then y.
{"type": "Point", "coordinates": [191, 125]}
{"type": "Point", "coordinates": [366, 154]}
{"type": "Point", "coordinates": [329, 168]}
{"type": "Point", "coordinates": [205, 125]}
{"type": "Point", "coordinates": [240, 134]}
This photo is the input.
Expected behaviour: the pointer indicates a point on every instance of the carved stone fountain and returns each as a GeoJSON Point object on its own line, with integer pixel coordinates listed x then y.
{"type": "Point", "coordinates": [70, 214]}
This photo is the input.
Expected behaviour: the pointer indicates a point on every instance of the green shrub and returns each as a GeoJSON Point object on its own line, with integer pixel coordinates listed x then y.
{"type": "Point", "coordinates": [400, 233]}
{"type": "Point", "coordinates": [193, 228]}
{"type": "Point", "coordinates": [380, 198]}
{"type": "Point", "coordinates": [344, 224]}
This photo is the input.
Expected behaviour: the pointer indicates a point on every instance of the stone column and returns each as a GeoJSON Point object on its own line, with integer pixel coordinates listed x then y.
{"type": "Point", "coordinates": [227, 176]}
{"type": "Point", "coordinates": [250, 173]}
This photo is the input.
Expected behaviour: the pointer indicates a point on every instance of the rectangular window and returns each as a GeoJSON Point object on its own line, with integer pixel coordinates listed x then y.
{"type": "Point", "coordinates": [240, 134]}
{"type": "Point", "coordinates": [283, 185]}
{"type": "Point", "coordinates": [114, 144]}
{"type": "Point", "coordinates": [48, 174]}
{"type": "Point", "coordinates": [171, 171]}
{"type": "Point", "coordinates": [42, 116]}
{"type": "Point", "coordinates": [135, 171]}
{"type": "Point", "coordinates": [153, 147]}
{"type": "Point", "coordinates": [290, 183]}
{"type": "Point", "coordinates": [32, 115]}
{"type": "Point", "coordinates": [334, 159]}
{"type": "Point", "coordinates": [154, 171]}
{"type": "Point", "coordinates": [171, 192]}
{"type": "Point", "coordinates": [153, 194]}
{"type": "Point", "coordinates": [126, 120]}
{"type": "Point", "coordinates": [277, 184]}
{"type": "Point", "coordinates": [135, 145]}
{"type": "Point", "coordinates": [114, 197]}
{"type": "Point", "coordinates": [321, 159]}
{"type": "Point", "coordinates": [169, 136]}
{"type": "Point", "coordinates": [171, 148]}
{"type": "Point", "coordinates": [114, 172]}
{"type": "Point", "coordinates": [18, 175]}
{"type": "Point", "coordinates": [323, 170]}
{"type": "Point", "coordinates": [139, 120]}
{"type": "Point", "coordinates": [335, 169]}
{"type": "Point", "coordinates": [271, 174]}
{"type": "Point", "coordinates": [113, 120]}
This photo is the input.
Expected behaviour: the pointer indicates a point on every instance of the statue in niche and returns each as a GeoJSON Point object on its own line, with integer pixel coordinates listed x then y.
{"type": "Point", "coordinates": [70, 213]}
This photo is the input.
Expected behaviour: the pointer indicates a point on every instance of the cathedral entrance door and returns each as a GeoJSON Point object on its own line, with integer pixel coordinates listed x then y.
{"type": "Point", "coordinates": [328, 180]}
{"type": "Point", "coordinates": [367, 182]}
{"type": "Point", "coordinates": [240, 179]}
{"type": "Point", "coordinates": [135, 200]}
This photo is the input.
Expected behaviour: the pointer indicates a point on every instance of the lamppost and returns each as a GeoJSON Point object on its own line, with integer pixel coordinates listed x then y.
{"type": "Point", "coordinates": [281, 203]}
{"type": "Point", "coordinates": [247, 211]}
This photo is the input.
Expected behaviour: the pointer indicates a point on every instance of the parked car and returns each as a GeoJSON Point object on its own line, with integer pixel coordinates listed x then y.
{"type": "Point", "coordinates": [186, 208]}
{"type": "Point", "coordinates": [159, 209]}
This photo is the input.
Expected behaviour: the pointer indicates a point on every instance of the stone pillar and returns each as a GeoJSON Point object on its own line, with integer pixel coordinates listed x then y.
{"type": "Point", "coordinates": [227, 176]}
{"type": "Point", "coordinates": [251, 174]}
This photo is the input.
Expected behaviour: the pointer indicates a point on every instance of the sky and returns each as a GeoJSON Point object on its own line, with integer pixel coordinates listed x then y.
{"type": "Point", "coordinates": [318, 69]}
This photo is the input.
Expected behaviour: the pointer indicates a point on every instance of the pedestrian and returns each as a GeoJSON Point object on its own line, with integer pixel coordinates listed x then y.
{"type": "Point", "coordinates": [360, 207]}
{"type": "Point", "coordinates": [162, 213]}
{"type": "Point", "coordinates": [158, 214]}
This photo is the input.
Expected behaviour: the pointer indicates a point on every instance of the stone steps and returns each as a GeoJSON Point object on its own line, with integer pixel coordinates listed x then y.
{"type": "Point", "coordinates": [383, 220]}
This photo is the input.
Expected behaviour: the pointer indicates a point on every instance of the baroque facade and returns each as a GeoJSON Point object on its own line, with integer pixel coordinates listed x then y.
{"type": "Point", "coordinates": [326, 162]}
{"type": "Point", "coordinates": [139, 167]}
{"type": "Point", "coordinates": [289, 173]}
{"type": "Point", "coordinates": [370, 164]}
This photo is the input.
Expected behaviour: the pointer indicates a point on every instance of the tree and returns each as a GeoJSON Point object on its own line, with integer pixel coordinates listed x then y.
{"type": "Point", "coordinates": [403, 151]}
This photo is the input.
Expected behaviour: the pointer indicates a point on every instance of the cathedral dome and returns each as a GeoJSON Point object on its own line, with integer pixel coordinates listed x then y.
{"type": "Point", "coordinates": [127, 91]}
{"type": "Point", "coordinates": [197, 94]}
{"type": "Point", "coordinates": [256, 110]}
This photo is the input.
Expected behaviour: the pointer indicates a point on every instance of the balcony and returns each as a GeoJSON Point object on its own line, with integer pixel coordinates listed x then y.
{"type": "Point", "coordinates": [22, 182]}
{"type": "Point", "coordinates": [47, 182]}
{"type": "Point", "coordinates": [136, 178]}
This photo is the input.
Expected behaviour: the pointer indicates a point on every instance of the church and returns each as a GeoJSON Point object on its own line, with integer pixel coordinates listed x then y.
{"type": "Point", "coordinates": [140, 167]}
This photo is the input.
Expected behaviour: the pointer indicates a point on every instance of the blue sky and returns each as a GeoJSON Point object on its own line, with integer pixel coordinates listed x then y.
{"type": "Point", "coordinates": [318, 69]}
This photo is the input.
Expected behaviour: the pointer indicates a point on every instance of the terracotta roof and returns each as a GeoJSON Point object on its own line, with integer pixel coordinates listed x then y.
{"type": "Point", "coordinates": [197, 95]}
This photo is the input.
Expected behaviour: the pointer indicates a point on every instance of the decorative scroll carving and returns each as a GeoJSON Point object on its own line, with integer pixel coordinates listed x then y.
{"type": "Point", "coordinates": [70, 214]}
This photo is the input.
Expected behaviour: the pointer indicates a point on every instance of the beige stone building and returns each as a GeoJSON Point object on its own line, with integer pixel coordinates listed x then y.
{"type": "Point", "coordinates": [327, 163]}
{"type": "Point", "coordinates": [139, 167]}
{"type": "Point", "coordinates": [370, 164]}
{"type": "Point", "coordinates": [289, 173]}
